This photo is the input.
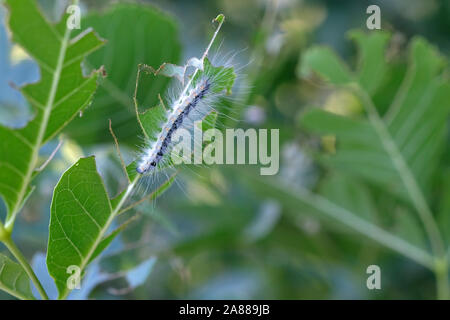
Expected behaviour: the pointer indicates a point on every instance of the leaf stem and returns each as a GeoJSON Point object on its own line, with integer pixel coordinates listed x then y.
{"type": "Point", "coordinates": [441, 271]}
{"type": "Point", "coordinates": [9, 243]}
{"type": "Point", "coordinates": [114, 213]}
{"type": "Point", "coordinates": [127, 193]}
{"type": "Point", "coordinates": [3, 232]}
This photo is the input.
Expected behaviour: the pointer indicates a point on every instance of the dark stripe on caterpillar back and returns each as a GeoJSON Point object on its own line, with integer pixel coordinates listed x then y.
{"type": "Point", "coordinates": [154, 155]}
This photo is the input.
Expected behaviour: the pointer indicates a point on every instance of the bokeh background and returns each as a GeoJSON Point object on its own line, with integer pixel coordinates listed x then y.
{"type": "Point", "coordinates": [217, 234]}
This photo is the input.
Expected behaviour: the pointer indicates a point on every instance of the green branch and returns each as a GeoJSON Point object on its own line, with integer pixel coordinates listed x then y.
{"type": "Point", "coordinates": [24, 263]}
{"type": "Point", "coordinates": [357, 224]}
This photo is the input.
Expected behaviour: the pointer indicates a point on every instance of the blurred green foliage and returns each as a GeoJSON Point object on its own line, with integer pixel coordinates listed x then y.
{"type": "Point", "coordinates": [220, 234]}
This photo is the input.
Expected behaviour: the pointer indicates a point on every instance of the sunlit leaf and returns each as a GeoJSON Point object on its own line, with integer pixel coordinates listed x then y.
{"type": "Point", "coordinates": [57, 98]}
{"type": "Point", "coordinates": [80, 216]}
{"type": "Point", "coordinates": [137, 34]}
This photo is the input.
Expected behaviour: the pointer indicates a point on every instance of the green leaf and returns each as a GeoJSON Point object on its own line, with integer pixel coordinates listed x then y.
{"type": "Point", "coordinates": [163, 187]}
{"type": "Point", "coordinates": [444, 205]}
{"type": "Point", "coordinates": [209, 121]}
{"type": "Point", "coordinates": [14, 280]}
{"type": "Point", "coordinates": [110, 237]}
{"type": "Point", "coordinates": [416, 119]}
{"type": "Point", "coordinates": [372, 65]}
{"type": "Point", "coordinates": [220, 18]}
{"type": "Point", "coordinates": [151, 120]}
{"type": "Point", "coordinates": [359, 149]}
{"type": "Point", "coordinates": [79, 218]}
{"type": "Point", "coordinates": [408, 227]}
{"type": "Point", "coordinates": [350, 194]}
{"type": "Point", "coordinates": [131, 171]}
{"type": "Point", "coordinates": [324, 62]}
{"type": "Point", "coordinates": [136, 34]}
{"type": "Point", "coordinates": [223, 76]}
{"type": "Point", "coordinates": [57, 98]}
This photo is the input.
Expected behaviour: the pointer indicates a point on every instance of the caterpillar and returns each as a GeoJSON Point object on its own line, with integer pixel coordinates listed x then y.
{"type": "Point", "coordinates": [206, 87]}
{"type": "Point", "coordinates": [182, 108]}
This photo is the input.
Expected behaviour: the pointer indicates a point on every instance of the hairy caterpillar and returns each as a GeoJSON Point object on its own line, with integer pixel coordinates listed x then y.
{"type": "Point", "coordinates": [181, 110]}
{"type": "Point", "coordinates": [196, 100]}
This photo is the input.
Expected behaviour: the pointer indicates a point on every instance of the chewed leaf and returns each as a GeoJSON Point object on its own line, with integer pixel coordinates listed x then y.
{"type": "Point", "coordinates": [173, 70]}
{"type": "Point", "coordinates": [131, 171]}
{"type": "Point", "coordinates": [372, 63]}
{"type": "Point", "coordinates": [223, 77]}
{"type": "Point", "coordinates": [13, 279]}
{"type": "Point", "coordinates": [137, 32]}
{"type": "Point", "coordinates": [57, 98]}
{"type": "Point", "coordinates": [151, 120]}
{"type": "Point", "coordinates": [195, 62]}
{"type": "Point", "coordinates": [179, 72]}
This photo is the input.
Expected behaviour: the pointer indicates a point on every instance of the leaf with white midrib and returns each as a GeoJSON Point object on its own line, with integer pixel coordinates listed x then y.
{"type": "Point", "coordinates": [57, 98]}
{"type": "Point", "coordinates": [80, 216]}
{"type": "Point", "coordinates": [81, 213]}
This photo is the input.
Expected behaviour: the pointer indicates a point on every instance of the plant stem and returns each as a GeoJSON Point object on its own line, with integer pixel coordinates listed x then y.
{"type": "Point", "coordinates": [354, 222]}
{"type": "Point", "coordinates": [9, 243]}
{"type": "Point", "coordinates": [441, 272]}
{"type": "Point", "coordinates": [114, 213]}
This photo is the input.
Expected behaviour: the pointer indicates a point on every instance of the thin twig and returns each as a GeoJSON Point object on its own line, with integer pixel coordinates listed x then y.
{"type": "Point", "coordinates": [162, 102]}
{"type": "Point", "coordinates": [136, 107]}
{"type": "Point", "coordinates": [116, 142]}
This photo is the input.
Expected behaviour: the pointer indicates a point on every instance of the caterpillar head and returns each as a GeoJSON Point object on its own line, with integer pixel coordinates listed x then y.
{"type": "Point", "coordinates": [145, 166]}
